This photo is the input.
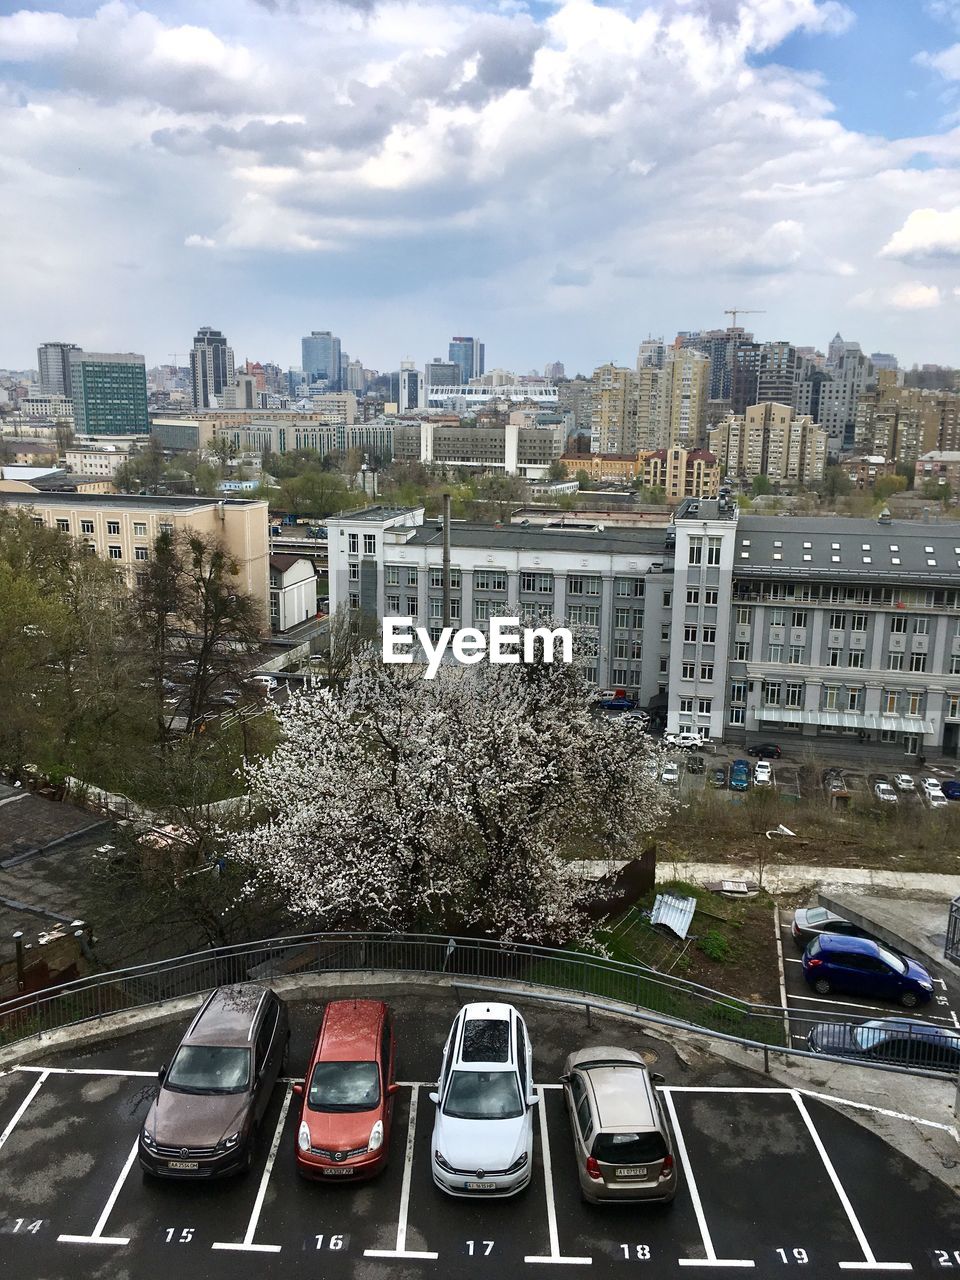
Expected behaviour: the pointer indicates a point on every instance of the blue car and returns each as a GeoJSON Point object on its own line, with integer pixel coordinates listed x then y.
{"type": "Point", "coordinates": [619, 702]}
{"type": "Point", "coordinates": [862, 967]}
{"type": "Point", "coordinates": [740, 775]}
{"type": "Point", "coordinates": [951, 789]}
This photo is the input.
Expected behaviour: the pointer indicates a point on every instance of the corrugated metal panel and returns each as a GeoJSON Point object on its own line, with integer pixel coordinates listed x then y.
{"type": "Point", "coordinates": [673, 911]}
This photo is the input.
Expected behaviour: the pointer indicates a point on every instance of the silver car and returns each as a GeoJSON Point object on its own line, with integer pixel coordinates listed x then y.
{"type": "Point", "coordinates": [620, 1134]}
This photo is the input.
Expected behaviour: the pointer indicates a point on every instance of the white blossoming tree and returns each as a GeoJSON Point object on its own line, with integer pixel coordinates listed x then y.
{"type": "Point", "coordinates": [453, 804]}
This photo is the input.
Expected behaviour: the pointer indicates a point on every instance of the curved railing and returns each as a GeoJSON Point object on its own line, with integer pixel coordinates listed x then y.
{"type": "Point", "coordinates": [474, 960]}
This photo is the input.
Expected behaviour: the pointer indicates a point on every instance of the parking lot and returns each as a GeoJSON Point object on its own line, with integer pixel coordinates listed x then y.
{"type": "Point", "coordinates": [942, 1009]}
{"type": "Point", "coordinates": [770, 1178]}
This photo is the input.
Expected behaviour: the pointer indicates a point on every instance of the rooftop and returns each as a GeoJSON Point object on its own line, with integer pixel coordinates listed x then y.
{"type": "Point", "coordinates": [838, 544]}
{"type": "Point", "coordinates": [518, 537]}
{"type": "Point", "coordinates": [138, 502]}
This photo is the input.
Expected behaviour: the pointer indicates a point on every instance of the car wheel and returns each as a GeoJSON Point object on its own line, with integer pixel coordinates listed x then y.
{"type": "Point", "coordinates": [909, 999]}
{"type": "Point", "coordinates": [822, 987]}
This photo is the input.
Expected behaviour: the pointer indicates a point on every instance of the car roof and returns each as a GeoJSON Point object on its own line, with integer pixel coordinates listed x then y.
{"type": "Point", "coordinates": [350, 1030]}
{"type": "Point", "coordinates": [916, 1030]}
{"type": "Point", "coordinates": [228, 1016]}
{"type": "Point", "coordinates": [622, 1094]}
{"type": "Point", "coordinates": [842, 942]}
{"type": "Point", "coordinates": [468, 1055]}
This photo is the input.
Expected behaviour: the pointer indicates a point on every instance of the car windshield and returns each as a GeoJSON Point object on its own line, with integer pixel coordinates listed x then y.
{"type": "Point", "coordinates": [629, 1148]}
{"type": "Point", "coordinates": [894, 961]}
{"type": "Point", "coordinates": [483, 1095]}
{"type": "Point", "coordinates": [817, 915]}
{"type": "Point", "coordinates": [870, 1036]}
{"type": "Point", "coordinates": [344, 1086]}
{"type": "Point", "coordinates": [206, 1068]}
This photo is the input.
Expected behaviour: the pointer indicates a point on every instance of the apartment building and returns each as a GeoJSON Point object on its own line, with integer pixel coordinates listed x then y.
{"type": "Point", "coordinates": [770, 440]}
{"type": "Point", "coordinates": [942, 466]}
{"type": "Point", "coordinates": [123, 528]}
{"type": "Point", "coordinates": [682, 473]}
{"type": "Point", "coordinates": [684, 390]}
{"type": "Point", "coordinates": [902, 423]}
{"type": "Point", "coordinates": [613, 410]}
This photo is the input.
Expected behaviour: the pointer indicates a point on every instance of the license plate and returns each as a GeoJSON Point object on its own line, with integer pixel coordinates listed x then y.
{"type": "Point", "coordinates": [183, 1164]}
{"type": "Point", "coordinates": [631, 1173]}
{"type": "Point", "coordinates": [480, 1186]}
{"type": "Point", "coordinates": [338, 1173]}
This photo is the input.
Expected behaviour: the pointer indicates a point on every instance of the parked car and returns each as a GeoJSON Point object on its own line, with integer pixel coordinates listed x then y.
{"type": "Point", "coordinates": [810, 922]}
{"type": "Point", "coordinates": [204, 1120]}
{"type": "Point", "coordinates": [885, 793]}
{"type": "Point", "coordinates": [903, 782]}
{"type": "Point", "coordinates": [763, 774]}
{"type": "Point", "coordinates": [951, 789]}
{"type": "Point", "coordinates": [933, 792]}
{"type": "Point", "coordinates": [621, 1139]}
{"type": "Point", "coordinates": [685, 739]}
{"type": "Point", "coordinates": [766, 751]}
{"type": "Point", "coordinates": [860, 966]}
{"type": "Point", "coordinates": [616, 702]}
{"type": "Point", "coordinates": [718, 777]}
{"type": "Point", "coordinates": [914, 1044]}
{"type": "Point", "coordinates": [740, 775]}
{"type": "Point", "coordinates": [696, 764]}
{"type": "Point", "coordinates": [670, 773]}
{"type": "Point", "coordinates": [348, 1093]}
{"type": "Point", "coordinates": [266, 683]}
{"type": "Point", "coordinates": [483, 1131]}
{"type": "Point", "coordinates": [640, 719]}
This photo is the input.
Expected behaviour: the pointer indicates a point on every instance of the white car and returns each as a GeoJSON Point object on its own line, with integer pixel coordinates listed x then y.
{"type": "Point", "coordinates": [670, 773]}
{"type": "Point", "coordinates": [903, 782]}
{"type": "Point", "coordinates": [266, 683]}
{"type": "Point", "coordinates": [933, 793]}
{"type": "Point", "coordinates": [885, 793]}
{"type": "Point", "coordinates": [763, 774]}
{"type": "Point", "coordinates": [685, 738]}
{"type": "Point", "coordinates": [483, 1132]}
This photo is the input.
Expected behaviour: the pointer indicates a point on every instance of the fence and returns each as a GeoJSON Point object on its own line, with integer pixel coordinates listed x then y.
{"type": "Point", "coordinates": [589, 977]}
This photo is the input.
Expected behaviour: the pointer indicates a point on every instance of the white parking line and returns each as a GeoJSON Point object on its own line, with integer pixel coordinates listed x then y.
{"type": "Point", "coordinates": [870, 1262]}
{"type": "Point", "coordinates": [555, 1255]}
{"type": "Point", "coordinates": [246, 1245]}
{"type": "Point", "coordinates": [85, 1071]}
{"type": "Point", "coordinates": [22, 1108]}
{"type": "Point", "coordinates": [97, 1236]}
{"type": "Point", "coordinates": [875, 1008]}
{"type": "Point", "coordinates": [711, 1260]}
{"type": "Point", "coordinates": [401, 1251]}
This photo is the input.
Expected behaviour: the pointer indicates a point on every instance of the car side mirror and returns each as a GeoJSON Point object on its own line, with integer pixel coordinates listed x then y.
{"type": "Point", "coordinates": [392, 1089]}
{"type": "Point", "coordinates": [657, 1078]}
{"type": "Point", "coordinates": [298, 1090]}
{"type": "Point", "coordinates": [565, 1078]}
{"type": "Point", "coordinates": [162, 1073]}
{"type": "Point", "coordinates": [533, 1099]}
{"type": "Point", "coordinates": [434, 1097]}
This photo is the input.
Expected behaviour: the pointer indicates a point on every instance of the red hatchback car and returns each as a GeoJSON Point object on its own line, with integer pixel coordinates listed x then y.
{"type": "Point", "coordinates": [348, 1093]}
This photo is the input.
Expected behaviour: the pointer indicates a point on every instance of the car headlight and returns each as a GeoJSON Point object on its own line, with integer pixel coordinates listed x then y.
{"type": "Point", "coordinates": [376, 1137]}
{"type": "Point", "coordinates": [227, 1144]}
{"type": "Point", "coordinates": [148, 1139]}
{"type": "Point", "coordinates": [303, 1137]}
{"type": "Point", "coordinates": [927, 986]}
{"type": "Point", "coordinates": [518, 1164]}
{"type": "Point", "coordinates": [444, 1164]}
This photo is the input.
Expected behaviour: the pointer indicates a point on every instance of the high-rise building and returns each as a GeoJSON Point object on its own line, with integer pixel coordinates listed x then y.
{"type": "Point", "coordinates": [901, 423]}
{"type": "Point", "coordinates": [744, 372]}
{"type": "Point", "coordinates": [320, 357]}
{"type": "Point", "coordinates": [852, 374]}
{"type": "Point", "coordinates": [777, 373]}
{"type": "Point", "coordinates": [835, 350]}
{"type": "Point", "coordinates": [442, 373]}
{"type": "Point", "coordinates": [883, 360]}
{"type": "Point", "coordinates": [684, 392]}
{"type": "Point", "coordinates": [554, 370]}
{"type": "Point", "coordinates": [411, 394]}
{"type": "Point", "coordinates": [53, 363]}
{"type": "Point", "coordinates": [468, 354]}
{"type": "Point", "coordinates": [109, 393]}
{"type": "Point", "coordinates": [770, 440]}
{"type": "Point", "coordinates": [211, 367]}
{"type": "Point", "coordinates": [355, 379]}
{"type": "Point", "coordinates": [650, 354]}
{"type": "Point", "coordinates": [614, 410]}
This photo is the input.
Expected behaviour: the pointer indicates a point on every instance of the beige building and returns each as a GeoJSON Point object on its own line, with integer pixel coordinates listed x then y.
{"type": "Point", "coordinates": [622, 467]}
{"type": "Point", "coordinates": [901, 423]}
{"type": "Point", "coordinates": [95, 462]}
{"type": "Point", "coordinates": [123, 528]}
{"type": "Point", "coordinates": [613, 426]}
{"type": "Point", "coordinates": [770, 440]}
{"type": "Point", "coordinates": [940, 466]}
{"type": "Point", "coordinates": [682, 473]}
{"type": "Point", "coordinates": [684, 389]}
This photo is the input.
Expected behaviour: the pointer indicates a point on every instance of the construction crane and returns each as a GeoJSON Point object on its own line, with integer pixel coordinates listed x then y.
{"type": "Point", "coordinates": [740, 311]}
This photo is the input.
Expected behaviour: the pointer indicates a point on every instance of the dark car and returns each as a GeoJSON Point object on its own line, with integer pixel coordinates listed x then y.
{"type": "Point", "coordinates": [859, 966]}
{"type": "Point", "coordinates": [951, 789]}
{"type": "Point", "coordinates": [718, 777]}
{"type": "Point", "coordinates": [765, 751]}
{"type": "Point", "coordinates": [897, 1040]}
{"type": "Point", "coordinates": [696, 764]}
{"type": "Point", "coordinates": [808, 922]}
{"type": "Point", "coordinates": [739, 775]}
{"type": "Point", "coordinates": [204, 1120]}
{"type": "Point", "coordinates": [618, 702]}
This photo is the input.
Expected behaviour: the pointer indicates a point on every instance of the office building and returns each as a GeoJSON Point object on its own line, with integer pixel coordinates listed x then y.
{"type": "Point", "coordinates": [320, 357]}
{"type": "Point", "coordinates": [211, 368]}
{"type": "Point", "coordinates": [442, 373]}
{"type": "Point", "coordinates": [513, 448]}
{"type": "Point", "coordinates": [53, 365]}
{"type": "Point", "coordinates": [411, 388]}
{"type": "Point", "coordinates": [468, 355]}
{"type": "Point", "coordinates": [109, 393]}
{"type": "Point", "coordinates": [554, 371]}
{"type": "Point", "coordinates": [851, 375]}
{"type": "Point", "coordinates": [777, 373]}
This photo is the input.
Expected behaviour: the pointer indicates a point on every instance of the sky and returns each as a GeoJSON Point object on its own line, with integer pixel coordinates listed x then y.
{"type": "Point", "coordinates": [560, 178]}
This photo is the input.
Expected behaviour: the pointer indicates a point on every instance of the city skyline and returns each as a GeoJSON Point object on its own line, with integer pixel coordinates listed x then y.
{"type": "Point", "coordinates": [562, 178]}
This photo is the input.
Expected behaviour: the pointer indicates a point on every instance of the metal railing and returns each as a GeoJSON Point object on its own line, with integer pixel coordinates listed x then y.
{"type": "Point", "coordinates": [951, 947]}
{"type": "Point", "coordinates": [591, 978]}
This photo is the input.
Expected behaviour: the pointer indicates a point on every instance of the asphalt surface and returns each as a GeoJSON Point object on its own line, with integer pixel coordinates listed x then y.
{"type": "Point", "coordinates": [770, 1178]}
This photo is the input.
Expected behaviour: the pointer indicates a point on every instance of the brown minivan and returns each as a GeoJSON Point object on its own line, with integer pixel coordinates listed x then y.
{"type": "Point", "coordinates": [203, 1122]}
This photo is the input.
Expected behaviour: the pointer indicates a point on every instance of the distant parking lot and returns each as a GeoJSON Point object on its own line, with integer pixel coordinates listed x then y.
{"type": "Point", "coordinates": [770, 1178]}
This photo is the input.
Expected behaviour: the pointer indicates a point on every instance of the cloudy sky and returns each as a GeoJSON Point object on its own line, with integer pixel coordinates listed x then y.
{"type": "Point", "coordinates": [559, 178]}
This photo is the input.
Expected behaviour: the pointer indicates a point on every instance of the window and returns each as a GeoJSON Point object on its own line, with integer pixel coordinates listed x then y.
{"type": "Point", "coordinates": [693, 595]}
{"type": "Point", "coordinates": [777, 617]}
{"type": "Point", "coordinates": [591, 615]}
{"type": "Point", "coordinates": [914, 704]}
{"type": "Point", "coordinates": [921, 626]}
{"type": "Point", "coordinates": [854, 699]}
{"type": "Point", "coordinates": [953, 706]}
{"type": "Point", "coordinates": [354, 572]}
{"type": "Point", "coordinates": [392, 605]}
{"type": "Point", "coordinates": [63, 526]}
{"type": "Point", "coordinates": [690, 635]}
{"type": "Point", "coordinates": [738, 715]}
{"type": "Point", "coordinates": [113, 528]}
{"type": "Point", "coordinates": [898, 625]}
{"type": "Point", "coordinates": [575, 614]}
{"type": "Point", "coordinates": [165, 527]}
{"type": "Point", "coordinates": [776, 653]}
{"type": "Point", "coordinates": [838, 621]}
{"type": "Point", "coordinates": [353, 544]}
{"type": "Point", "coordinates": [891, 700]}
{"type": "Point", "coordinates": [794, 695]}
{"type": "Point", "coordinates": [667, 599]}
{"type": "Point", "coordinates": [738, 691]}
{"type": "Point", "coordinates": [621, 586]}
{"type": "Point", "coordinates": [713, 550]}
{"type": "Point", "coordinates": [771, 694]}
{"type": "Point", "coordinates": [709, 635]}
{"type": "Point", "coordinates": [591, 586]}
{"type": "Point", "coordinates": [481, 610]}
{"type": "Point", "coordinates": [955, 665]}
{"type": "Point", "coordinates": [115, 552]}
{"type": "Point", "coordinates": [833, 657]}
{"type": "Point", "coordinates": [139, 529]}
{"type": "Point", "coordinates": [830, 694]}
{"type": "Point", "coordinates": [620, 650]}
{"type": "Point", "coordinates": [638, 619]}
{"type": "Point", "coordinates": [411, 605]}
{"type": "Point", "coordinates": [711, 596]}
{"type": "Point", "coordinates": [369, 544]}
{"type": "Point", "coordinates": [741, 651]}
{"type": "Point", "coordinates": [621, 676]}
{"type": "Point", "coordinates": [706, 670]}
{"type": "Point", "coordinates": [664, 632]}
{"type": "Point", "coordinates": [894, 661]}
{"type": "Point", "coordinates": [575, 585]}
{"type": "Point", "coordinates": [664, 666]}
{"type": "Point", "coordinates": [391, 575]}
{"type": "Point", "coordinates": [436, 579]}
{"type": "Point", "coordinates": [743, 616]}
{"type": "Point", "coordinates": [489, 580]}
{"type": "Point", "coordinates": [636, 650]}
{"type": "Point", "coordinates": [436, 607]}
{"type": "Point", "coordinates": [141, 553]}
{"type": "Point", "coordinates": [855, 658]}
{"type": "Point", "coordinates": [859, 622]}
{"type": "Point", "coordinates": [799, 617]}
{"type": "Point", "coordinates": [686, 706]}
{"type": "Point", "coordinates": [704, 706]}
{"type": "Point", "coordinates": [355, 600]}
{"type": "Point", "coordinates": [918, 662]}
{"type": "Point", "coordinates": [621, 618]}
{"type": "Point", "coordinates": [86, 526]}
{"type": "Point", "coordinates": [688, 670]}
{"type": "Point", "coordinates": [411, 577]}
{"type": "Point", "coordinates": [536, 583]}
{"type": "Point", "coordinates": [696, 551]}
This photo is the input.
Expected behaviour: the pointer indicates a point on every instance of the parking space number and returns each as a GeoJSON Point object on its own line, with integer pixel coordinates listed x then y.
{"type": "Point", "coordinates": [793, 1255]}
{"type": "Point", "coordinates": [179, 1235]}
{"type": "Point", "coordinates": [332, 1242]}
{"type": "Point", "coordinates": [480, 1248]}
{"type": "Point", "coordinates": [22, 1226]}
{"type": "Point", "coordinates": [947, 1257]}
{"type": "Point", "coordinates": [636, 1252]}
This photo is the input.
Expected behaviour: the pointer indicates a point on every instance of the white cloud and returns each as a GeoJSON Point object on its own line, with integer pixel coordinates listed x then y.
{"type": "Point", "coordinates": [927, 234]}
{"type": "Point", "coordinates": [915, 296]}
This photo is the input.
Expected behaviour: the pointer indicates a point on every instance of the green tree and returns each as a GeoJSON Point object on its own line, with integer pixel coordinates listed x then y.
{"type": "Point", "coordinates": [557, 471]}
{"type": "Point", "coordinates": [760, 486]}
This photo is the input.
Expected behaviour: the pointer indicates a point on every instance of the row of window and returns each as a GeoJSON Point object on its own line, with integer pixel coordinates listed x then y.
{"type": "Point", "coordinates": [695, 554]}
{"type": "Point", "coordinates": [900, 624]}
{"type": "Point", "coordinates": [824, 593]}
{"type": "Point", "coordinates": [855, 659]}
{"type": "Point", "coordinates": [113, 527]}
{"type": "Point", "coordinates": [369, 544]}
{"type": "Point", "coordinates": [531, 583]}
